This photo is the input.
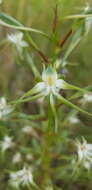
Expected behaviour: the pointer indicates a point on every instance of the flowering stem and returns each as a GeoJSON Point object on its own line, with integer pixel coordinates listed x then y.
{"type": "Point", "coordinates": [62, 42]}
{"type": "Point", "coordinates": [55, 20]}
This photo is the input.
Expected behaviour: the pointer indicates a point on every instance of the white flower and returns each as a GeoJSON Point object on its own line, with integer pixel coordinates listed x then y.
{"type": "Point", "coordinates": [17, 158]}
{"type": "Point", "coordinates": [29, 157]}
{"type": "Point", "coordinates": [4, 108]}
{"type": "Point", "coordinates": [22, 177]}
{"type": "Point", "coordinates": [51, 85]}
{"type": "Point", "coordinates": [73, 119]}
{"type": "Point", "coordinates": [30, 131]}
{"type": "Point", "coordinates": [87, 164]}
{"type": "Point", "coordinates": [17, 39]}
{"type": "Point", "coordinates": [50, 82]}
{"type": "Point", "coordinates": [87, 7]}
{"type": "Point", "coordinates": [27, 130]}
{"type": "Point", "coordinates": [7, 143]}
{"type": "Point", "coordinates": [84, 151]}
{"type": "Point", "coordinates": [87, 98]}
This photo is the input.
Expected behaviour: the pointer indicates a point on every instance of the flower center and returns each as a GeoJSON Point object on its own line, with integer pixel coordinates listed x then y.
{"type": "Point", "coordinates": [50, 81]}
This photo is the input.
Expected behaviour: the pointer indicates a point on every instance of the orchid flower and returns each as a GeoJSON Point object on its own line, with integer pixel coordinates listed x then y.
{"type": "Point", "coordinates": [50, 86]}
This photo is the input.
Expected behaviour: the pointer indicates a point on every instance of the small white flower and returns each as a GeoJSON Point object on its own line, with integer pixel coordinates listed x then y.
{"type": "Point", "coordinates": [17, 39]}
{"type": "Point", "coordinates": [87, 98]}
{"type": "Point", "coordinates": [87, 7]}
{"type": "Point", "coordinates": [7, 143]}
{"type": "Point", "coordinates": [30, 131]}
{"type": "Point", "coordinates": [73, 119]}
{"type": "Point", "coordinates": [27, 130]}
{"type": "Point", "coordinates": [50, 82]}
{"type": "Point", "coordinates": [4, 108]}
{"type": "Point", "coordinates": [51, 86]}
{"type": "Point", "coordinates": [29, 157]}
{"type": "Point", "coordinates": [84, 151]}
{"type": "Point", "coordinates": [17, 158]}
{"type": "Point", "coordinates": [87, 165]}
{"type": "Point", "coordinates": [22, 177]}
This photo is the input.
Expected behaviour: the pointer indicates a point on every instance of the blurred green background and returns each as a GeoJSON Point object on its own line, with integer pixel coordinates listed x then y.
{"type": "Point", "coordinates": [16, 75]}
{"type": "Point", "coordinates": [39, 15]}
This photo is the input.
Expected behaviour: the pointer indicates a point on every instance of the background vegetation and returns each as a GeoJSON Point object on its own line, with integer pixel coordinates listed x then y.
{"type": "Point", "coordinates": [51, 157]}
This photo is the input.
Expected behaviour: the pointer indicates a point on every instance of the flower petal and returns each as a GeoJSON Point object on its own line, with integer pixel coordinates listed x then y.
{"type": "Point", "coordinates": [61, 84]}
{"type": "Point", "coordinates": [49, 72]}
{"type": "Point", "coordinates": [40, 87]}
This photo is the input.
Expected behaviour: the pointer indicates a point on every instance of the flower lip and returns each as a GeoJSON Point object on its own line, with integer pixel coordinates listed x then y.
{"type": "Point", "coordinates": [50, 80]}
{"type": "Point", "coordinates": [49, 77]}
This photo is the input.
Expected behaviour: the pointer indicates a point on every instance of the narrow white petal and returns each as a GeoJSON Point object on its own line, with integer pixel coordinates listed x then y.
{"type": "Point", "coordinates": [89, 146]}
{"type": "Point", "coordinates": [19, 35]}
{"type": "Point", "coordinates": [87, 164]}
{"type": "Point", "coordinates": [23, 44]}
{"type": "Point", "coordinates": [61, 84]}
{"type": "Point", "coordinates": [80, 155]}
{"type": "Point", "coordinates": [40, 87]}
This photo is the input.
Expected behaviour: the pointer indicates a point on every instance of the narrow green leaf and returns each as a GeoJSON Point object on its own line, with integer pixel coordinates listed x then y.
{"type": "Point", "coordinates": [10, 22]}
{"type": "Point", "coordinates": [68, 103]}
{"type": "Point", "coordinates": [30, 92]}
{"type": "Point", "coordinates": [74, 42]}
{"type": "Point", "coordinates": [78, 16]}
{"type": "Point", "coordinates": [80, 93]}
{"type": "Point", "coordinates": [40, 95]}
{"type": "Point", "coordinates": [32, 66]}
{"type": "Point", "coordinates": [73, 87]}
{"type": "Point", "coordinates": [28, 117]}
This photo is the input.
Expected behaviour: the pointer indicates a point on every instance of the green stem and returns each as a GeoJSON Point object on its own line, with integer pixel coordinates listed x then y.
{"type": "Point", "coordinates": [47, 148]}
{"type": "Point", "coordinates": [54, 112]}
{"type": "Point", "coordinates": [28, 117]}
